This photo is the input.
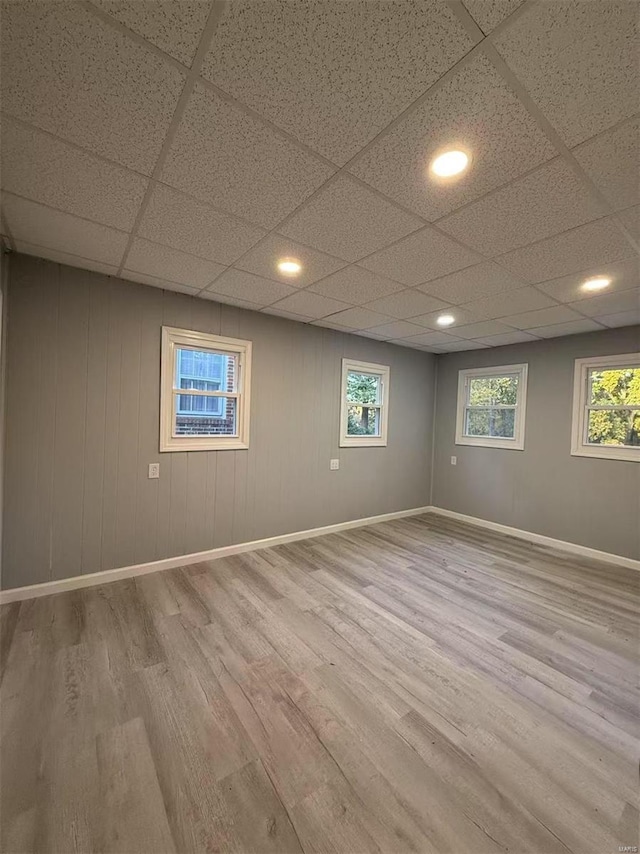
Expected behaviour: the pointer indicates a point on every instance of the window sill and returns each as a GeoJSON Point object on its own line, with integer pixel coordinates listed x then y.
{"type": "Point", "coordinates": [364, 442]}
{"type": "Point", "coordinates": [180, 446]}
{"type": "Point", "coordinates": [503, 444]}
{"type": "Point", "coordinates": [629, 456]}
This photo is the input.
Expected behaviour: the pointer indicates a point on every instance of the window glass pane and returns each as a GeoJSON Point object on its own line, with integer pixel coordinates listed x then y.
{"type": "Point", "coordinates": [496, 423]}
{"type": "Point", "coordinates": [363, 388]}
{"type": "Point", "coordinates": [615, 386]}
{"type": "Point", "coordinates": [614, 427]}
{"type": "Point", "coordinates": [205, 370]}
{"type": "Point", "coordinates": [489, 391]}
{"type": "Point", "coordinates": [363, 421]}
{"type": "Point", "coordinates": [203, 422]}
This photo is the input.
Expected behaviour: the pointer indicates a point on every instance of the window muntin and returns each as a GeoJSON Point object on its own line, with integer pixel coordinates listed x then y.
{"type": "Point", "coordinates": [606, 413]}
{"type": "Point", "coordinates": [491, 407]}
{"type": "Point", "coordinates": [215, 371]}
{"type": "Point", "coordinates": [363, 411]}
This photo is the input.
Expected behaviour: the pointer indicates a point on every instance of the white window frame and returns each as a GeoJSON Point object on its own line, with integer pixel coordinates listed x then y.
{"type": "Point", "coordinates": [364, 441]}
{"type": "Point", "coordinates": [173, 338]}
{"type": "Point", "coordinates": [520, 407]}
{"type": "Point", "coordinates": [579, 421]}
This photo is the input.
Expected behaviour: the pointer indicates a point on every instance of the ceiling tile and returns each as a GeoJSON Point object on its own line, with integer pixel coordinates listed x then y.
{"type": "Point", "coordinates": [166, 263]}
{"type": "Point", "coordinates": [547, 201]}
{"type": "Point", "coordinates": [397, 329]}
{"type": "Point", "coordinates": [474, 109]}
{"type": "Point", "coordinates": [227, 299]}
{"type": "Point", "coordinates": [482, 330]}
{"type": "Point", "coordinates": [459, 346]}
{"type": "Point", "coordinates": [631, 220]}
{"type": "Point", "coordinates": [45, 169]}
{"type": "Point", "coordinates": [311, 305]}
{"type": "Point", "coordinates": [359, 318]}
{"type": "Point", "coordinates": [420, 257]}
{"type": "Point", "coordinates": [333, 74]}
{"type": "Point", "coordinates": [158, 282]}
{"type": "Point", "coordinates": [64, 258]}
{"type": "Point", "coordinates": [433, 339]}
{"type": "Point", "coordinates": [593, 244]}
{"type": "Point", "coordinates": [609, 303]}
{"type": "Point", "coordinates": [369, 333]}
{"type": "Point", "coordinates": [289, 315]}
{"type": "Point", "coordinates": [623, 274]}
{"type": "Point", "coordinates": [513, 302]}
{"type": "Point", "coordinates": [430, 320]}
{"type": "Point", "coordinates": [623, 318]}
{"type": "Point", "coordinates": [69, 72]}
{"type": "Point", "coordinates": [62, 232]}
{"type": "Point", "coordinates": [541, 317]}
{"type": "Point", "coordinates": [578, 60]}
{"type": "Point", "coordinates": [188, 225]}
{"type": "Point", "coordinates": [175, 26]}
{"type": "Point", "coordinates": [355, 285]}
{"type": "Point", "coordinates": [263, 260]}
{"type": "Point", "coordinates": [489, 13]}
{"type": "Point", "coordinates": [507, 338]}
{"type": "Point", "coordinates": [574, 327]}
{"type": "Point", "coordinates": [327, 323]}
{"type": "Point", "coordinates": [481, 280]}
{"type": "Point", "coordinates": [406, 304]}
{"type": "Point", "coordinates": [249, 169]}
{"type": "Point", "coordinates": [348, 220]}
{"type": "Point", "coordinates": [246, 286]}
{"type": "Point", "coordinates": [611, 161]}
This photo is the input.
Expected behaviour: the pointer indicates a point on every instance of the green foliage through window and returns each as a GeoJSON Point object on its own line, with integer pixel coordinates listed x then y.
{"type": "Point", "coordinates": [362, 389]}
{"type": "Point", "coordinates": [618, 390]}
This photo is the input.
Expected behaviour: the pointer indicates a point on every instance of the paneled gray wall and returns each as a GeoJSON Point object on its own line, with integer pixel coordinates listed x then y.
{"type": "Point", "coordinates": [82, 427]}
{"type": "Point", "coordinates": [543, 489]}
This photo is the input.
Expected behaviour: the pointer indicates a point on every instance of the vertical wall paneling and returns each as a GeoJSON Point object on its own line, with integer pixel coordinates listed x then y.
{"type": "Point", "coordinates": [83, 366]}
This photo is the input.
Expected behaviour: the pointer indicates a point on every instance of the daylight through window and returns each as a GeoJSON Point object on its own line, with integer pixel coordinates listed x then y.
{"type": "Point", "coordinates": [363, 411]}
{"type": "Point", "coordinates": [491, 407]}
{"type": "Point", "coordinates": [205, 391]}
{"type": "Point", "coordinates": [606, 410]}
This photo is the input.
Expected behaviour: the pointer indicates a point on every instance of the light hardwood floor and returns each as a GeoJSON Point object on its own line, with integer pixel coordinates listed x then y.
{"type": "Point", "coordinates": [418, 685]}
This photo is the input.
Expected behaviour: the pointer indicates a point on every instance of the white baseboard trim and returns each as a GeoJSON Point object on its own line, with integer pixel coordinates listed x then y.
{"type": "Point", "coordinates": [32, 591]}
{"type": "Point", "coordinates": [562, 545]}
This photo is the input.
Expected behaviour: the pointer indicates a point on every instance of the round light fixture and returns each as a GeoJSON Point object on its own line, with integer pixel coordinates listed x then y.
{"type": "Point", "coordinates": [445, 320]}
{"type": "Point", "coordinates": [289, 266]}
{"type": "Point", "coordinates": [598, 283]}
{"type": "Point", "coordinates": [450, 163]}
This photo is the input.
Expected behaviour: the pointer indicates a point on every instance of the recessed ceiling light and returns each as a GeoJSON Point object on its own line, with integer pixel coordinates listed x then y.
{"type": "Point", "coordinates": [445, 320]}
{"type": "Point", "coordinates": [450, 163]}
{"type": "Point", "coordinates": [596, 284]}
{"type": "Point", "coordinates": [289, 266]}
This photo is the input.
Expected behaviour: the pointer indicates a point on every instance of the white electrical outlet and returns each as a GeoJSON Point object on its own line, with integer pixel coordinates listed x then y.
{"type": "Point", "coordinates": [154, 470]}
{"type": "Point", "coordinates": [454, 461]}
{"type": "Point", "coordinates": [334, 465]}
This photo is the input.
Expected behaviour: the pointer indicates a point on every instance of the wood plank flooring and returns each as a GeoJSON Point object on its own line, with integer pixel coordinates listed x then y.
{"type": "Point", "coordinates": [418, 685]}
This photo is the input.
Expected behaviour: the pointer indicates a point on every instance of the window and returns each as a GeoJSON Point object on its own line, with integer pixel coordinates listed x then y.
{"type": "Point", "coordinates": [364, 404]}
{"type": "Point", "coordinates": [606, 407]}
{"type": "Point", "coordinates": [491, 407]}
{"type": "Point", "coordinates": [204, 395]}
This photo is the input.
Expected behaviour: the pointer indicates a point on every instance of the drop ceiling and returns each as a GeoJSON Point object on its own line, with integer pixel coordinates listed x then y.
{"type": "Point", "coordinates": [190, 145]}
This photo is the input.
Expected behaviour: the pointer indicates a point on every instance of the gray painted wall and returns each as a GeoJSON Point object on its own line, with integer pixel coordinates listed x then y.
{"type": "Point", "coordinates": [542, 489]}
{"type": "Point", "coordinates": [82, 427]}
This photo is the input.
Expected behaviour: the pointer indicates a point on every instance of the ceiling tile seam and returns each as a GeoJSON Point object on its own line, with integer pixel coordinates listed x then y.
{"type": "Point", "coordinates": [65, 212]}
{"type": "Point", "coordinates": [495, 190]}
{"type": "Point", "coordinates": [240, 105]}
{"type": "Point", "coordinates": [114, 163]}
{"type": "Point", "coordinates": [6, 230]}
{"type": "Point", "coordinates": [213, 19]}
{"type": "Point", "coordinates": [64, 252]}
{"type": "Point", "coordinates": [140, 40]}
{"type": "Point", "coordinates": [551, 133]}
